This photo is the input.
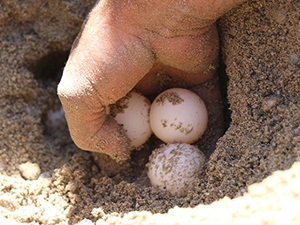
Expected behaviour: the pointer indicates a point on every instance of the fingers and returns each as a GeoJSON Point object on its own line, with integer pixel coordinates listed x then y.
{"type": "Point", "coordinates": [196, 55]}
{"type": "Point", "coordinates": [103, 67]}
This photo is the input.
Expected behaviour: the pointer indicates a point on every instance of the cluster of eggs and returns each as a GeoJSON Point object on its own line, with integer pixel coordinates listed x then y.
{"type": "Point", "coordinates": [178, 117]}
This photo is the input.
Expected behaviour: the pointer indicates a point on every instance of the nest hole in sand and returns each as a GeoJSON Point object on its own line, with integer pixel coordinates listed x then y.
{"type": "Point", "coordinates": [48, 71]}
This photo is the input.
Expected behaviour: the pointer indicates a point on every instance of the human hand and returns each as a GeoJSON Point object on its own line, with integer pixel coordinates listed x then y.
{"type": "Point", "coordinates": [126, 44]}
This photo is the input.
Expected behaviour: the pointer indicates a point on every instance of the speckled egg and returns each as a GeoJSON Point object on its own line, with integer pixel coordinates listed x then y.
{"type": "Point", "coordinates": [132, 112]}
{"type": "Point", "coordinates": [178, 115]}
{"type": "Point", "coordinates": [175, 167]}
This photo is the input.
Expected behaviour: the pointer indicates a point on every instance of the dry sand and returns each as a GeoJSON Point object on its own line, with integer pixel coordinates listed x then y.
{"type": "Point", "coordinates": [45, 179]}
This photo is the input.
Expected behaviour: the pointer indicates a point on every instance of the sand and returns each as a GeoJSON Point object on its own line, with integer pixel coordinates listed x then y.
{"type": "Point", "coordinates": [46, 179]}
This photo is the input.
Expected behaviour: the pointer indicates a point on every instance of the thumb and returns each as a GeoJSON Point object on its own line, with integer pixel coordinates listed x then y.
{"type": "Point", "coordinates": [104, 66]}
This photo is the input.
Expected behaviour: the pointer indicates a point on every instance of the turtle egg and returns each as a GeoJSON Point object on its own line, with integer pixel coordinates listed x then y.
{"type": "Point", "coordinates": [175, 167]}
{"type": "Point", "coordinates": [178, 115]}
{"type": "Point", "coordinates": [132, 112]}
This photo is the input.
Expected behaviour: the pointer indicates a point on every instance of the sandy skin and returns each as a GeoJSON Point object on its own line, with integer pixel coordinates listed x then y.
{"type": "Point", "coordinates": [130, 44]}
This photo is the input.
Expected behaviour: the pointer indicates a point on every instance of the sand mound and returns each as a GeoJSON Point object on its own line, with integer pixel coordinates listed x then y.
{"type": "Point", "coordinates": [45, 179]}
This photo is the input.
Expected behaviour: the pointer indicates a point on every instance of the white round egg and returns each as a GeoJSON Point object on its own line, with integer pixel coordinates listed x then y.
{"type": "Point", "coordinates": [132, 112]}
{"type": "Point", "coordinates": [178, 115]}
{"type": "Point", "coordinates": [175, 167]}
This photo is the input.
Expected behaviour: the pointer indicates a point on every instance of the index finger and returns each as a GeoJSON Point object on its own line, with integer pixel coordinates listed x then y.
{"type": "Point", "coordinates": [104, 66]}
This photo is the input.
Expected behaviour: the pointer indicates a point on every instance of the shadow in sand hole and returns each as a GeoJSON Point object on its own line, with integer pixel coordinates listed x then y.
{"type": "Point", "coordinates": [50, 67]}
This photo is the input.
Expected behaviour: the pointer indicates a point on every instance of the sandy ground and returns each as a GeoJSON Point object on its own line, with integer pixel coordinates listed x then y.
{"type": "Point", "coordinates": [45, 179]}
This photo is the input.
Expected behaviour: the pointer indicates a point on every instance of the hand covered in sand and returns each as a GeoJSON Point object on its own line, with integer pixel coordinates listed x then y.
{"type": "Point", "coordinates": [141, 44]}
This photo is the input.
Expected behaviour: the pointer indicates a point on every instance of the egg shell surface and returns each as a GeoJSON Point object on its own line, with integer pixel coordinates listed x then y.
{"type": "Point", "coordinates": [178, 115]}
{"type": "Point", "coordinates": [175, 167]}
{"type": "Point", "coordinates": [132, 112]}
